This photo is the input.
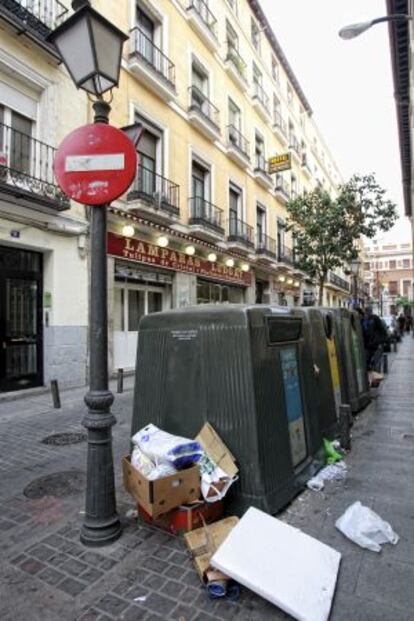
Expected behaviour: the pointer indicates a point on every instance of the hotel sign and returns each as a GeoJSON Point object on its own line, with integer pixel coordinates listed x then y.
{"type": "Point", "coordinates": [278, 163]}
{"type": "Point", "coordinates": [132, 249]}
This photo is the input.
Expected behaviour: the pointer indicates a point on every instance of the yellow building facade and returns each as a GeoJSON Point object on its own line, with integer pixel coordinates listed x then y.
{"type": "Point", "coordinates": [216, 99]}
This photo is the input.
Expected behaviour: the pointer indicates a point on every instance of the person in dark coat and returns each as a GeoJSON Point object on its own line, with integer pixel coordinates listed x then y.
{"type": "Point", "coordinates": [374, 336]}
{"type": "Point", "coordinates": [401, 323]}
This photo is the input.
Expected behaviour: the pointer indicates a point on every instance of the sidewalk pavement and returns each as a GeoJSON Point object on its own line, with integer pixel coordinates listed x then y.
{"type": "Point", "coordinates": [47, 574]}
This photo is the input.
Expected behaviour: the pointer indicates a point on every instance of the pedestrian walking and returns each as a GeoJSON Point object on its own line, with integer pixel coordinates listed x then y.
{"type": "Point", "coordinates": [374, 337]}
{"type": "Point", "coordinates": [401, 324]}
{"type": "Point", "coordinates": [408, 323]}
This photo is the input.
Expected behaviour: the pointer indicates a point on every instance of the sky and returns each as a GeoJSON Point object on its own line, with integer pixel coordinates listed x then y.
{"type": "Point", "coordinates": [348, 85]}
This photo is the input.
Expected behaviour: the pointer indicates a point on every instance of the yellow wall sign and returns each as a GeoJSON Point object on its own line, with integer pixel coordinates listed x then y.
{"type": "Point", "coordinates": [277, 163]}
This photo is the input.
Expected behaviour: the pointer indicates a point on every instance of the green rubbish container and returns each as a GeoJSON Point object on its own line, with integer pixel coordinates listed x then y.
{"type": "Point", "coordinates": [246, 370]}
{"type": "Point", "coordinates": [320, 334]}
{"type": "Point", "coordinates": [353, 370]}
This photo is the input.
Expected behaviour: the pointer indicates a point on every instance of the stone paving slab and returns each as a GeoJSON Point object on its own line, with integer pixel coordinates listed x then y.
{"type": "Point", "coordinates": [46, 573]}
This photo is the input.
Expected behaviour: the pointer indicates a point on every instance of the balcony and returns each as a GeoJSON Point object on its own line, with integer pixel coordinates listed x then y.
{"type": "Point", "coordinates": [35, 19]}
{"type": "Point", "coordinates": [266, 248]}
{"type": "Point", "coordinates": [339, 282]}
{"type": "Point", "coordinates": [151, 65]}
{"type": "Point", "coordinates": [155, 196]}
{"type": "Point", "coordinates": [260, 173]}
{"type": "Point", "coordinates": [295, 149]}
{"type": "Point", "coordinates": [285, 255]}
{"type": "Point", "coordinates": [306, 166]}
{"type": "Point", "coordinates": [205, 219]}
{"type": "Point", "coordinates": [236, 67]}
{"type": "Point", "coordinates": [203, 22]}
{"type": "Point", "coordinates": [203, 114]}
{"type": "Point", "coordinates": [261, 102]}
{"type": "Point", "coordinates": [282, 190]}
{"type": "Point", "coordinates": [240, 235]}
{"type": "Point", "coordinates": [280, 128]}
{"type": "Point", "coordinates": [26, 171]}
{"type": "Point", "coordinates": [237, 147]}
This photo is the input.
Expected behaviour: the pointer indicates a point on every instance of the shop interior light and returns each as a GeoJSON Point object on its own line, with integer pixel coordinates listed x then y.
{"type": "Point", "coordinates": [128, 230]}
{"type": "Point", "coordinates": [281, 279]}
{"type": "Point", "coordinates": [163, 241]}
{"type": "Point", "coordinates": [212, 257]}
{"type": "Point", "coordinates": [230, 262]}
{"type": "Point", "coordinates": [190, 250]}
{"type": "Point", "coordinates": [245, 267]}
{"type": "Point", "coordinates": [297, 283]}
{"type": "Point", "coordinates": [290, 281]}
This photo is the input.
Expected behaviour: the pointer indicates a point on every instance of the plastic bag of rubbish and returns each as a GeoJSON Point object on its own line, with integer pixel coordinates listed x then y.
{"type": "Point", "coordinates": [333, 472]}
{"type": "Point", "coordinates": [148, 468]}
{"type": "Point", "coordinates": [365, 527]}
{"type": "Point", "coordinates": [215, 482]}
{"type": "Point", "coordinates": [163, 447]}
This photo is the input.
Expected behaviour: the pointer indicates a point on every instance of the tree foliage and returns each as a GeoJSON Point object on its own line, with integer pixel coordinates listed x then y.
{"type": "Point", "coordinates": [326, 229]}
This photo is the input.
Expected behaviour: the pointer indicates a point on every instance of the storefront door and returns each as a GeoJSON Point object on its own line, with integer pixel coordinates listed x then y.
{"type": "Point", "coordinates": [21, 356]}
{"type": "Point", "coordinates": [131, 303]}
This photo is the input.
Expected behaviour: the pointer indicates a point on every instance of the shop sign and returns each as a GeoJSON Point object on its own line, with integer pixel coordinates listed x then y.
{"type": "Point", "coordinates": [133, 249]}
{"type": "Point", "coordinates": [278, 163]}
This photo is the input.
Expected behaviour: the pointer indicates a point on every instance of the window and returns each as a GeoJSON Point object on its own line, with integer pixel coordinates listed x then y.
{"type": "Point", "coordinates": [393, 287]}
{"type": "Point", "coordinates": [199, 178]}
{"type": "Point", "coordinates": [232, 38]}
{"type": "Point", "coordinates": [146, 37]}
{"type": "Point", "coordinates": [275, 70]}
{"type": "Point", "coordinates": [406, 263]}
{"type": "Point", "coordinates": [406, 288]}
{"type": "Point", "coordinates": [260, 151]}
{"type": "Point", "coordinates": [393, 264]}
{"type": "Point", "coordinates": [213, 293]}
{"type": "Point", "coordinates": [234, 116]}
{"type": "Point", "coordinates": [289, 94]}
{"type": "Point", "coordinates": [294, 185]}
{"type": "Point", "coordinates": [257, 75]}
{"type": "Point", "coordinates": [276, 110]}
{"type": "Point", "coordinates": [235, 198]}
{"type": "Point", "coordinates": [255, 35]}
{"type": "Point", "coordinates": [260, 222]}
{"type": "Point", "coordinates": [199, 91]}
{"type": "Point", "coordinates": [16, 140]}
{"type": "Point", "coordinates": [366, 266]}
{"type": "Point", "coordinates": [233, 4]}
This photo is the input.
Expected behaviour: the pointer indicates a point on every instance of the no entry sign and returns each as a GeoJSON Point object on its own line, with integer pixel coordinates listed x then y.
{"type": "Point", "coordinates": [95, 164]}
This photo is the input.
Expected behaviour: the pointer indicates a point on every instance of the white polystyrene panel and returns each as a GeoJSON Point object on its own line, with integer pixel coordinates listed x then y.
{"type": "Point", "coordinates": [295, 572]}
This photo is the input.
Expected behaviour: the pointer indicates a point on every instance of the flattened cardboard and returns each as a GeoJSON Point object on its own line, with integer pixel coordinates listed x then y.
{"type": "Point", "coordinates": [204, 541]}
{"type": "Point", "coordinates": [217, 450]}
{"type": "Point", "coordinates": [162, 495]}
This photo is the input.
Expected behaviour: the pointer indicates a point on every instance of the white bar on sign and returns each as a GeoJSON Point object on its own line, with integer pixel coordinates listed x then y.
{"type": "Point", "coordinates": [78, 163]}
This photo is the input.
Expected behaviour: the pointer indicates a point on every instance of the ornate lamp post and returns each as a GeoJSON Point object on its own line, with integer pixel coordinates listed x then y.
{"type": "Point", "coordinates": [355, 265]}
{"type": "Point", "coordinates": [91, 49]}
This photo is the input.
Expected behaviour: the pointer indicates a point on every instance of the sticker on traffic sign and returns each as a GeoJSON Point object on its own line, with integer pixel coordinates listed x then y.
{"type": "Point", "coordinates": [95, 164]}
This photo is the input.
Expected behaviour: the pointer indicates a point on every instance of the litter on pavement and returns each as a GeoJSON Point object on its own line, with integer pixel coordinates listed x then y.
{"type": "Point", "coordinates": [365, 527]}
{"type": "Point", "coordinates": [280, 563]}
{"type": "Point", "coordinates": [333, 472]}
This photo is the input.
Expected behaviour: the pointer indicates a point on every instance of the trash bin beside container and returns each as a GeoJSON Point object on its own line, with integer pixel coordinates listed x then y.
{"type": "Point", "coordinates": [245, 370]}
{"type": "Point", "coordinates": [319, 334]}
{"type": "Point", "coordinates": [353, 368]}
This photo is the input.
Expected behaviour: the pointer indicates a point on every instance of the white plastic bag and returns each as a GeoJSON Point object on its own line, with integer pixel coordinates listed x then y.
{"type": "Point", "coordinates": [163, 447]}
{"type": "Point", "coordinates": [215, 482]}
{"type": "Point", "coordinates": [366, 528]}
{"type": "Point", "coordinates": [332, 472]}
{"type": "Point", "coordinates": [148, 468]}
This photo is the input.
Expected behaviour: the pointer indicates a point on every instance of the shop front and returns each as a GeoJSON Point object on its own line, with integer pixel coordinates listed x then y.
{"type": "Point", "coordinates": [148, 278]}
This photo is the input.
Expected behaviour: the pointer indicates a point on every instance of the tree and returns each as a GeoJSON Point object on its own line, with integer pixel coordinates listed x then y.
{"type": "Point", "coordinates": [327, 229]}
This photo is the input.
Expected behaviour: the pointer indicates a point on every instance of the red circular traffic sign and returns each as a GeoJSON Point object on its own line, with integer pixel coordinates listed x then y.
{"type": "Point", "coordinates": [95, 164]}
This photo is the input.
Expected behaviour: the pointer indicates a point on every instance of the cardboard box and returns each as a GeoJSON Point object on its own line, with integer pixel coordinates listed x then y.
{"type": "Point", "coordinates": [186, 517]}
{"type": "Point", "coordinates": [217, 450]}
{"type": "Point", "coordinates": [162, 495]}
{"type": "Point", "coordinates": [203, 543]}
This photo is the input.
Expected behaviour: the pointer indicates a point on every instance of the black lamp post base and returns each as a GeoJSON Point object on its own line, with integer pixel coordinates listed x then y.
{"type": "Point", "coordinates": [97, 535]}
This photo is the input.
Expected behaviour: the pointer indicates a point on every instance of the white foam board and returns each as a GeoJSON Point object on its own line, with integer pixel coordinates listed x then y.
{"type": "Point", "coordinates": [280, 563]}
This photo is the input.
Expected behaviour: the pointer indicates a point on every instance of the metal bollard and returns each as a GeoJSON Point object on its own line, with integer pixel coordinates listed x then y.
{"type": "Point", "coordinates": [385, 363]}
{"type": "Point", "coordinates": [345, 422]}
{"type": "Point", "coordinates": [120, 381]}
{"type": "Point", "coordinates": [54, 386]}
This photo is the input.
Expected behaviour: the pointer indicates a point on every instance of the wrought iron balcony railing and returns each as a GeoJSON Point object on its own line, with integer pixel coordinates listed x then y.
{"type": "Point", "coordinates": [240, 231]}
{"type": "Point", "coordinates": [338, 281]}
{"type": "Point", "coordinates": [282, 186]}
{"type": "Point", "coordinates": [38, 16]}
{"type": "Point", "coordinates": [285, 254]}
{"type": "Point", "coordinates": [233, 56]}
{"type": "Point", "coordinates": [26, 168]}
{"type": "Point", "coordinates": [265, 245]}
{"type": "Point", "coordinates": [205, 213]}
{"type": "Point", "coordinates": [236, 139]}
{"type": "Point", "coordinates": [203, 11]}
{"type": "Point", "coordinates": [280, 123]}
{"type": "Point", "coordinates": [261, 95]}
{"type": "Point", "coordinates": [145, 49]}
{"type": "Point", "coordinates": [157, 190]}
{"type": "Point", "coordinates": [294, 144]}
{"type": "Point", "coordinates": [200, 103]}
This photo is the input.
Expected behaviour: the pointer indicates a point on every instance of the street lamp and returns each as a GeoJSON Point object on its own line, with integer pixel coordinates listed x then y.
{"type": "Point", "coordinates": [91, 49]}
{"type": "Point", "coordinates": [354, 30]}
{"type": "Point", "coordinates": [355, 265]}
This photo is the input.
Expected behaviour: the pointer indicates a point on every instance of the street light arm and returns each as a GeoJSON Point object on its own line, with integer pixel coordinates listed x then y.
{"type": "Point", "coordinates": [354, 30]}
{"type": "Point", "coordinates": [391, 18]}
